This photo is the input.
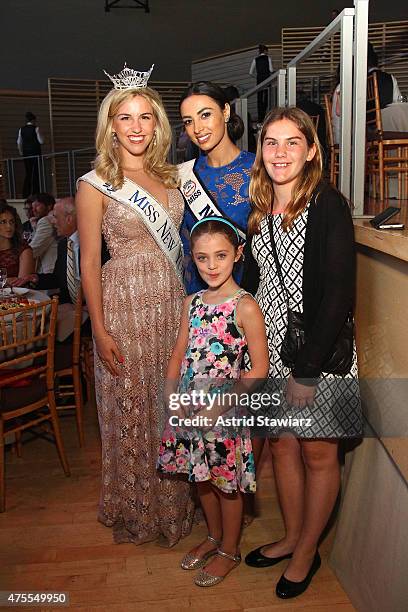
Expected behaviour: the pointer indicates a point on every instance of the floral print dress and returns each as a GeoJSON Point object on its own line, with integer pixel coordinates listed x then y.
{"type": "Point", "coordinates": [212, 362]}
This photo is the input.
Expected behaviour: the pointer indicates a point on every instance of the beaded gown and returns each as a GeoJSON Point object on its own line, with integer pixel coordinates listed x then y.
{"type": "Point", "coordinates": [142, 301]}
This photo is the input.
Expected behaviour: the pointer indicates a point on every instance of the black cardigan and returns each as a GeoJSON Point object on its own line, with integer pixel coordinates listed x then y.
{"type": "Point", "coordinates": [328, 277]}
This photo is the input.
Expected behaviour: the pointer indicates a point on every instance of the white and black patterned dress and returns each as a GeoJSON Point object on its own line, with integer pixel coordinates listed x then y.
{"type": "Point", "coordinates": [336, 412]}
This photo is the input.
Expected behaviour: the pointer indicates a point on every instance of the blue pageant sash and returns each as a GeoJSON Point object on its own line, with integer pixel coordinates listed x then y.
{"type": "Point", "coordinates": [154, 216]}
{"type": "Point", "coordinates": [197, 197]}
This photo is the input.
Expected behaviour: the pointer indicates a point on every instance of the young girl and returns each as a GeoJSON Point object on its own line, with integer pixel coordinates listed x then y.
{"type": "Point", "coordinates": [303, 227]}
{"type": "Point", "coordinates": [217, 325]}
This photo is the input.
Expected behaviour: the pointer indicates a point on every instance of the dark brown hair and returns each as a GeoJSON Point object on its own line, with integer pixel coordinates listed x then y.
{"type": "Point", "coordinates": [215, 227]}
{"type": "Point", "coordinates": [17, 239]}
{"type": "Point", "coordinates": [235, 125]}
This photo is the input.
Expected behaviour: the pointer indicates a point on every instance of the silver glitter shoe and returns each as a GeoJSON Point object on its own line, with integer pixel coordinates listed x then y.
{"type": "Point", "coordinates": [204, 579]}
{"type": "Point", "coordinates": [190, 562]}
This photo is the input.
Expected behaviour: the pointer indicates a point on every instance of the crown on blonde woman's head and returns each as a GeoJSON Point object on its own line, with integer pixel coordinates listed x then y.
{"type": "Point", "coordinates": [129, 78]}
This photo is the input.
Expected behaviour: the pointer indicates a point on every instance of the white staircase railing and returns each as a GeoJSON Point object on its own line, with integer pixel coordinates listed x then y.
{"type": "Point", "coordinates": [352, 23]}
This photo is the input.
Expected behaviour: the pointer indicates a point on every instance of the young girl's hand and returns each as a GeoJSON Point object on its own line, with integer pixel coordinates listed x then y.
{"type": "Point", "coordinates": [298, 395]}
{"type": "Point", "coordinates": [109, 353]}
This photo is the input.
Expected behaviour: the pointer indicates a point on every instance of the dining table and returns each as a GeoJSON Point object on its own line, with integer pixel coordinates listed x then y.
{"type": "Point", "coordinates": [31, 296]}
{"type": "Point", "coordinates": [65, 313]}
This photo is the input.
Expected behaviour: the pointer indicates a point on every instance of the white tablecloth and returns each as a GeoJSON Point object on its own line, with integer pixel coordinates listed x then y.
{"type": "Point", "coordinates": [395, 117]}
{"type": "Point", "coordinates": [65, 315]}
{"type": "Point", "coordinates": [38, 296]}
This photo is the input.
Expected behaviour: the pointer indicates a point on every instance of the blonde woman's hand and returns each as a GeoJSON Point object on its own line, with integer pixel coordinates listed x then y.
{"type": "Point", "coordinates": [109, 353]}
{"type": "Point", "coordinates": [298, 395]}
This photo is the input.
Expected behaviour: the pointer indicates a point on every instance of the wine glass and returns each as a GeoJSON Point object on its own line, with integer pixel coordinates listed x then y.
{"type": "Point", "coordinates": [3, 279]}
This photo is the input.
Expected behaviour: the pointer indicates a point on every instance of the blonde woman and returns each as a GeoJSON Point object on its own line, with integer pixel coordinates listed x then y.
{"type": "Point", "coordinates": [135, 303]}
{"type": "Point", "coordinates": [303, 243]}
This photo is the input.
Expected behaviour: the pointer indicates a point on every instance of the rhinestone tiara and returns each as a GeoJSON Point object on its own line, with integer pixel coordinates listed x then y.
{"type": "Point", "coordinates": [129, 78]}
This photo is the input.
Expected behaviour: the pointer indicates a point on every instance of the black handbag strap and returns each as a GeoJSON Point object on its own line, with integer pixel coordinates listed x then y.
{"type": "Point", "coordinates": [277, 262]}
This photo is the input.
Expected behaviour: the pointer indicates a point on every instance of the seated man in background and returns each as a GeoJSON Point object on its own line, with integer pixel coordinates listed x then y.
{"type": "Point", "coordinates": [44, 243]}
{"type": "Point", "coordinates": [66, 273]}
{"type": "Point", "coordinates": [28, 226]}
{"type": "Point", "coordinates": [388, 90]}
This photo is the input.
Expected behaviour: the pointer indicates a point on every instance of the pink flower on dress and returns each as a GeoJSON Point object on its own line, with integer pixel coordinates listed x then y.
{"type": "Point", "coordinates": [229, 444]}
{"type": "Point", "coordinates": [199, 341]}
{"type": "Point", "coordinates": [223, 471]}
{"type": "Point", "coordinates": [210, 357]}
{"type": "Point", "coordinates": [247, 445]}
{"type": "Point", "coordinates": [214, 372]}
{"type": "Point", "coordinates": [231, 459]}
{"type": "Point", "coordinates": [200, 471]}
{"type": "Point", "coordinates": [169, 468]}
{"type": "Point", "coordinates": [227, 308]}
{"type": "Point", "coordinates": [227, 338]}
{"type": "Point", "coordinates": [218, 326]}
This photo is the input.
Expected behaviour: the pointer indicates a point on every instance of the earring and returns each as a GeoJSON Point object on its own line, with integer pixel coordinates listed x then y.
{"type": "Point", "coordinates": [114, 139]}
{"type": "Point", "coordinates": [227, 119]}
{"type": "Point", "coordinates": [154, 139]}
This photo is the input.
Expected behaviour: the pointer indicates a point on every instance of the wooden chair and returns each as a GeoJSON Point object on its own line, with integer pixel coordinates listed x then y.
{"type": "Point", "coordinates": [67, 364]}
{"type": "Point", "coordinates": [315, 119]}
{"type": "Point", "coordinates": [387, 152]}
{"type": "Point", "coordinates": [27, 337]}
{"type": "Point", "coordinates": [333, 147]}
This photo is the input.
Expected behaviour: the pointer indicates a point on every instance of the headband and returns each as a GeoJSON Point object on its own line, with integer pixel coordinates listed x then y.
{"type": "Point", "coordinates": [220, 219]}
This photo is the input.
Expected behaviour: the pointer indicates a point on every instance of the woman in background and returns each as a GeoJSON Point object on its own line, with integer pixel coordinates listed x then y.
{"type": "Point", "coordinates": [15, 254]}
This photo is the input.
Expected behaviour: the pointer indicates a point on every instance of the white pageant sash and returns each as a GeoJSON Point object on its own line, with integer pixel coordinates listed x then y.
{"type": "Point", "coordinates": [153, 215]}
{"type": "Point", "coordinates": [196, 197]}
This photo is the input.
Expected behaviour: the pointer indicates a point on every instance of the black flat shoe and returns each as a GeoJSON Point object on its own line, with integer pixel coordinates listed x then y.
{"type": "Point", "coordinates": [255, 558]}
{"type": "Point", "coordinates": [286, 589]}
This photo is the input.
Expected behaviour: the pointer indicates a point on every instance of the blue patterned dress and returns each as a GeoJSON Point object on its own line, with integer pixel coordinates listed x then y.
{"type": "Point", "coordinates": [228, 187]}
{"type": "Point", "coordinates": [212, 362]}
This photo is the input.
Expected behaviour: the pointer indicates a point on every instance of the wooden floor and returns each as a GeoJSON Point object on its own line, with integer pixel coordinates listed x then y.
{"type": "Point", "coordinates": [50, 540]}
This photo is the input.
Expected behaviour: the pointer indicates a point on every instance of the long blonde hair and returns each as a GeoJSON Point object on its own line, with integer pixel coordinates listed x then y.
{"type": "Point", "coordinates": [107, 163]}
{"type": "Point", "coordinates": [261, 188]}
